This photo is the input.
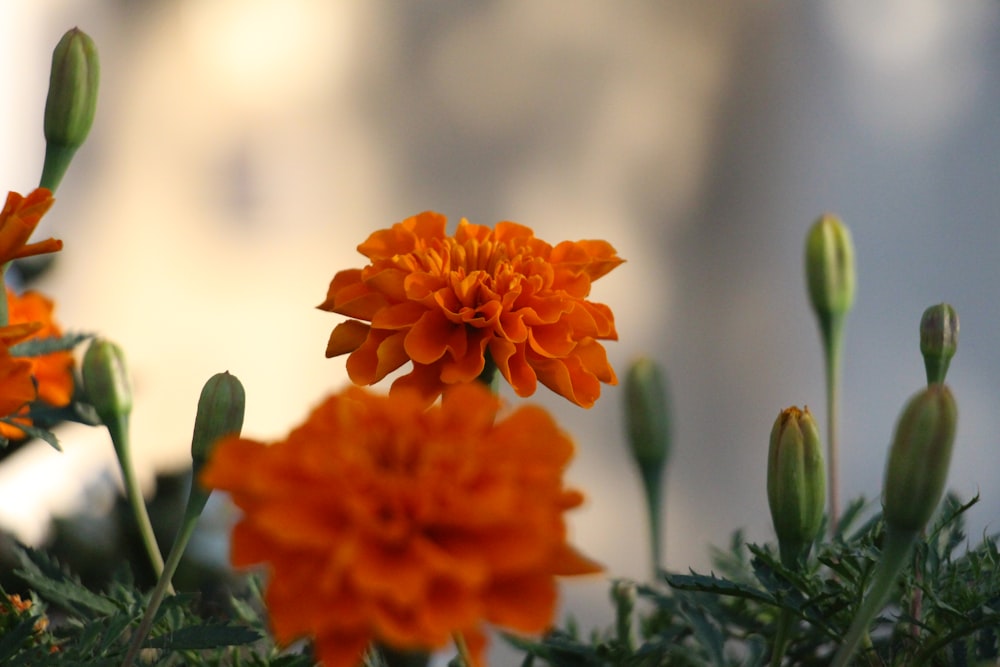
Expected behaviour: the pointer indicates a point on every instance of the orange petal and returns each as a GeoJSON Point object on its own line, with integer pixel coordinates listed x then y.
{"type": "Point", "coordinates": [346, 337]}
{"type": "Point", "coordinates": [524, 604]}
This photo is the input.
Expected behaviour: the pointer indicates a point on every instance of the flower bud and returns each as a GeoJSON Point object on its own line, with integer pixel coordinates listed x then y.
{"type": "Point", "coordinates": [647, 416]}
{"type": "Point", "coordinates": [830, 268]}
{"type": "Point", "coordinates": [105, 377]}
{"type": "Point", "coordinates": [796, 483]}
{"type": "Point", "coordinates": [938, 340]}
{"type": "Point", "coordinates": [71, 102]}
{"type": "Point", "coordinates": [220, 413]}
{"type": "Point", "coordinates": [647, 420]}
{"type": "Point", "coordinates": [917, 467]}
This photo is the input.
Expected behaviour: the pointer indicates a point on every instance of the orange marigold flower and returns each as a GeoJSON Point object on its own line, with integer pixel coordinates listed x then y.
{"type": "Point", "coordinates": [17, 388]}
{"type": "Point", "coordinates": [381, 520]}
{"type": "Point", "coordinates": [18, 220]}
{"type": "Point", "coordinates": [53, 372]}
{"type": "Point", "coordinates": [445, 303]}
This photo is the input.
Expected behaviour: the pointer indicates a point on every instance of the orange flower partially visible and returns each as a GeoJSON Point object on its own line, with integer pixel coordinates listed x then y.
{"type": "Point", "coordinates": [445, 303]}
{"type": "Point", "coordinates": [384, 521]}
{"type": "Point", "coordinates": [53, 372]}
{"type": "Point", "coordinates": [17, 388]}
{"type": "Point", "coordinates": [18, 219]}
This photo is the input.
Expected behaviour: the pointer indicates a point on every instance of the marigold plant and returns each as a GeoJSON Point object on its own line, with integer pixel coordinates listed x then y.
{"type": "Point", "coordinates": [381, 520]}
{"type": "Point", "coordinates": [452, 304]}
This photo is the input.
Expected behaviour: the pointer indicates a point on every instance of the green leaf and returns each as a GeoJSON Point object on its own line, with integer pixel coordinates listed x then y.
{"type": "Point", "coordinates": [37, 347]}
{"type": "Point", "coordinates": [46, 577]}
{"type": "Point", "coordinates": [203, 637]}
{"type": "Point", "coordinates": [35, 432]}
{"type": "Point", "coordinates": [713, 584]}
{"type": "Point", "coordinates": [12, 641]}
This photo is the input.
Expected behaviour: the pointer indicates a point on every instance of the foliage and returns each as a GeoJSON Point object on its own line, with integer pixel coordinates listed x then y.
{"type": "Point", "coordinates": [945, 610]}
{"type": "Point", "coordinates": [85, 627]}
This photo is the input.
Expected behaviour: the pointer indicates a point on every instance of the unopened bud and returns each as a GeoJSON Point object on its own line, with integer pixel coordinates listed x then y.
{"type": "Point", "coordinates": [938, 340]}
{"type": "Point", "coordinates": [917, 468]}
{"type": "Point", "coordinates": [647, 420]}
{"type": "Point", "coordinates": [796, 483]}
{"type": "Point", "coordinates": [220, 413]}
{"type": "Point", "coordinates": [71, 102]}
{"type": "Point", "coordinates": [105, 377]}
{"type": "Point", "coordinates": [647, 415]}
{"type": "Point", "coordinates": [830, 268]}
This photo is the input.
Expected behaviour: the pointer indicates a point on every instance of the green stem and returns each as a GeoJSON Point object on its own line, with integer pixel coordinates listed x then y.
{"type": "Point", "coordinates": [894, 555]}
{"type": "Point", "coordinates": [118, 428]}
{"type": "Point", "coordinates": [781, 637]}
{"type": "Point", "coordinates": [653, 483]}
{"type": "Point", "coordinates": [463, 649]}
{"type": "Point", "coordinates": [57, 160]}
{"type": "Point", "coordinates": [196, 502]}
{"type": "Point", "coordinates": [832, 338]}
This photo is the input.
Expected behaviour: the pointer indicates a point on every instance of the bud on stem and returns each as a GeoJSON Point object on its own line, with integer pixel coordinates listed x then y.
{"type": "Point", "coordinates": [71, 103]}
{"type": "Point", "coordinates": [648, 424]}
{"type": "Point", "coordinates": [917, 469]}
{"type": "Point", "coordinates": [796, 489]}
{"type": "Point", "coordinates": [220, 413]}
{"type": "Point", "coordinates": [915, 476]}
{"type": "Point", "coordinates": [105, 376]}
{"type": "Point", "coordinates": [830, 276]}
{"type": "Point", "coordinates": [938, 340]}
{"type": "Point", "coordinates": [830, 267]}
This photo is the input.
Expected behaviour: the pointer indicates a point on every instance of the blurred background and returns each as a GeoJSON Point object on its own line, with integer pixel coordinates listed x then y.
{"type": "Point", "coordinates": [243, 148]}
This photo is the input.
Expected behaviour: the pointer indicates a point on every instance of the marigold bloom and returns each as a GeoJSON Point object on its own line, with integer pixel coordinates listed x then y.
{"type": "Point", "coordinates": [381, 520]}
{"type": "Point", "coordinates": [17, 388]}
{"type": "Point", "coordinates": [18, 219]}
{"type": "Point", "coordinates": [445, 302]}
{"type": "Point", "coordinates": [53, 372]}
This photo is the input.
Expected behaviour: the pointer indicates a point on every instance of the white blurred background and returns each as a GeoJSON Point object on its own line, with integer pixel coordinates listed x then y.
{"type": "Point", "coordinates": [243, 148]}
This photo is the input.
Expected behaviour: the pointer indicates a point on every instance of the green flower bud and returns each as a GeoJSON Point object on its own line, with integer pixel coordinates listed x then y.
{"type": "Point", "coordinates": [830, 268]}
{"type": "Point", "coordinates": [917, 467]}
{"type": "Point", "coordinates": [647, 417]}
{"type": "Point", "coordinates": [71, 102]}
{"type": "Point", "coordinates": [220, 413]}
{"type": "Point", "coordinates": [647, 420]}
{"type": "Point", "coordinates": [105, 377]}
{"type": "Point", "coordinates": [938, 340]}
{"type": "Point", "coordinates": [796, 483]}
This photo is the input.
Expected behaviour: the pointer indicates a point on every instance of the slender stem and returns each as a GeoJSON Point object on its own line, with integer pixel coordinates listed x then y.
{"type": "Point", "coordinates": [832, 337]}
{"type": "Point", "coordinates": [57, 159]}
{"type": "Point", "coordinates": [118, 428]}
{"type": "Point", "coordinates": [163, 585]}
{"type": "Point", "coordinates": [652, 482]}
{"type": "Point", "coordinates": [894, 556]}
{"type": "Point", "coordinates": [463, 649]}
{"type": "Point", "coordinates": [781, 637]}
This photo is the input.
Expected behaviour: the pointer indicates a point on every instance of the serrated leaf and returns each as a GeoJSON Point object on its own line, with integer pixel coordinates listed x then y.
{"type": "Point", "coordinates": [713, 584]}
{"type": "Point", "coordinates": [48, 580]}
{"type": "Point", "coordinates": [203, 637]}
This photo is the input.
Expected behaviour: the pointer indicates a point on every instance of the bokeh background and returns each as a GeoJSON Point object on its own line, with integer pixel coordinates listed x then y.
{"type": "Point", "coordinates": [243, 148]}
